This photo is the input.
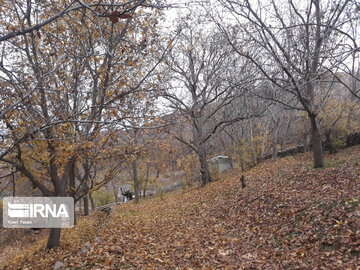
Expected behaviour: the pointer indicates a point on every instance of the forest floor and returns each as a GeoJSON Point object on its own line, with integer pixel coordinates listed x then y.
{"type": "Point", "coordinates": [289, 216]}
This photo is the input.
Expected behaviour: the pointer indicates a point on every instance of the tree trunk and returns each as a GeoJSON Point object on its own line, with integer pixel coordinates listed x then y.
{"type": "Point", "coordinates": [59, 186]}
{"type": "Point", "coordinates": [262, 150]}
{"type": "Point", "coordinates": [275, 139]}
{"type": "Point", "coordinates": [305, 142]}
{"type": "Point", "coordinates": [13, 185]}
{"type": "Point", "coordinates": [274, 143]}
{"type": "Point", "coordinates": [92, 201]}
{"type": "Point", "coordinates": [252, 146]}
{"type": "Point", "coordinates": [204, 167]}
{"type": "Point", "coordinates": [274, 150]}
{"type": "Point", "coordinates": [54, 238]}
{"type": "Point", "coordinates": [283, 143]}
{"type": "Point", "coordinates": [157, 173]}
{"type": "Point", "coordinates": [72, 186]}
{"type": "Point", "coordinates": [86, 205]}
{"type": "Point", "coordinates": [136, 181]}
{"type": "Point", "coordinates": [242, 165]}
{"type": "Point", "coordinates": [284, 139]}
{"type": "Point", "coordinates": [80, 206]}
{"type": "Point", "coordinates": [72, 180]}
{"type": "Point", "coordinates": [316, 143]}
{"type": "Point", "coordinates": [329, 143]}
{"type": "Point", "coordinates": [115, 190]}
{"type": "Point", "coordinates": [198, 138]}
{"type": "Point", "coordinates": [75, 219]}
{"type": "Point", "coordinates": [146, 179]}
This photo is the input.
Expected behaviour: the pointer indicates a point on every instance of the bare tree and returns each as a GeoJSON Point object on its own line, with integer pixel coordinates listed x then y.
{"type": "Point", "coordinates": [206, 80]}
{"type": "Point", "coordinates": [348, 73]}
{"type": "Point", "coordinates": [293, 45]}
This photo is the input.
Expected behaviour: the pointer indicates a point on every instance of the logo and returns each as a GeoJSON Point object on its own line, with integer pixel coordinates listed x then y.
{"type": "Point", "coordinates": [35, 210]}
{"type": "Point", "coordinates": [38, 212]}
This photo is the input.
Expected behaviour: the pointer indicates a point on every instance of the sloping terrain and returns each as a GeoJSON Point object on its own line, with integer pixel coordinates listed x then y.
{"type": "Point", "coordinates": [289, 216]}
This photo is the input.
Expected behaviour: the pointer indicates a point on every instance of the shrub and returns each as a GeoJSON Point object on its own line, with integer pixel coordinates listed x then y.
{"type": "Point", "coordinates": [102, 197]}
{"type": "Point", "coordinates": [353, 139]}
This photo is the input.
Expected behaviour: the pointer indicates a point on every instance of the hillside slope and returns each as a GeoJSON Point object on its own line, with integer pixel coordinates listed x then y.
{"type": "Point", "coordinates": [289, 216]}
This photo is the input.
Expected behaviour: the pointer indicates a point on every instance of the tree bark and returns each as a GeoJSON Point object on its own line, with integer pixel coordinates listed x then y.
{"type": "Point", "coordinates": [54, 238]}
{"type": "Point", "coordinates": [115, 190]}
{"type": "Point", "coordinates": [72, 180]}
{"type": "Point", "coordinates": [204, 166]}
{"type": "Point", "coordinates": [136, 180]}
{"type": "Point", "coordinates": [146, 178]}
{"type": "Point", "coordinates": [275, 139]}
{"type": "Point", "coordinates": [274, 150]}
{"type": "Point", "coordinates": [13, 185]}
{"type": "Point", "coordinates": [284, 139]}
{"type": "Point", "coordinates": [59, 186]}
{"type": "Point", "coordinates": [80, 206]}
{"type": "Point", "coordinates": [316, 143]}
{"type": "Point", "coordinates": [157, 173]}
{"type": "Point", "coordinates": [72, 186]}
{"type": "Point", "coordinates": [92, 201]}
{"type": "Point", "coordinates": [330, 143]}
{"type": "Point", "coordinates": [252, 146]}
{"type": "Point", "coordinates": [86, 205]}
{"type": "Point", "coordinates": [305, 142]}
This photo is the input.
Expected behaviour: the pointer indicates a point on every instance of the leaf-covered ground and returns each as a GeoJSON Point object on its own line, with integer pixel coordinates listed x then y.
{"type": "Point", "coordinates": [289, 216]}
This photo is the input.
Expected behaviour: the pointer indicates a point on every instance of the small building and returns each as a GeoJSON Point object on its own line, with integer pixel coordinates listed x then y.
{"type": "Point", "coordinates": [220, 164]}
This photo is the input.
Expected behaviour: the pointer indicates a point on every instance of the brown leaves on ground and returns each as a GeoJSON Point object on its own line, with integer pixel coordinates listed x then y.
{"type": "Point", "coordinates": [14, 241]}
{"type": "Point", "coordinates": [36, 257]}
{"type": "Point", "coordinates": [290, 216]}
